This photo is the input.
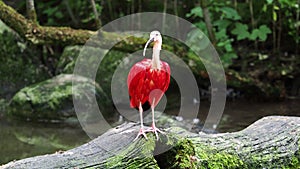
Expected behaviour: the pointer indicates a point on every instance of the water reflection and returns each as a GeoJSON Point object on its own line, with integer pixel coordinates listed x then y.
{"type": "Point", "coordinates": [25, 139]}
{"type": "Point", "coordinates": [239, 114]}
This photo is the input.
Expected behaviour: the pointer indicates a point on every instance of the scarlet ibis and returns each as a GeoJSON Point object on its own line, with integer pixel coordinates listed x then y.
{"type": "Point", "coordinates": [147, 81]}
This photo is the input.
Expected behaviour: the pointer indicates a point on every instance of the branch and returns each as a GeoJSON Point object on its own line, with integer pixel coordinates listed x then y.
{"type": "Point", "coordinates": [40, 34]}
{"type": "Point", "coordinates": [63, 36]}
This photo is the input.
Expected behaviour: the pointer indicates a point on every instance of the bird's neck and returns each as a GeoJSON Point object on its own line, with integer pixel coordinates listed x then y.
{"type": "Point", "coordinates": [155, 56]}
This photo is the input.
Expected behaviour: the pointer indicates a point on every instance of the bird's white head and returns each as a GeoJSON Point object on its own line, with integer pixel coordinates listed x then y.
{"type": "Point", "coordinates": [155, 37]}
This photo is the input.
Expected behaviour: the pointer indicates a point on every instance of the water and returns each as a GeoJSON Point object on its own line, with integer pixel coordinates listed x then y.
{"type": "Point", "coordinates": [25, 139]}
{"type": "Point", "coordinates": [239, 115]}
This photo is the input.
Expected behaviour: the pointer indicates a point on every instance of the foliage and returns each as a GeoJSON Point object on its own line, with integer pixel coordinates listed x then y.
{"type": "Point", "coordinates": [222, 16]}
{"type": "Point", "coordinates": [254, 39]}
{"type": "Point", "coordinates": [3, 106]}
{"type": "Point", "coordinates": [241, 31]}
{"type": "Point", "coordinates": [20, 66]}
{"type": "Point", "coordinates": [290, 9]}
{"type": "Point", "coordinates": [75, 13]}
{"type": "Point", "coordinates": [227, 22]}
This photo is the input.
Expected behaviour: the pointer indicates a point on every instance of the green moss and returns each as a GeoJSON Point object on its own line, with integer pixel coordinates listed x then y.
{"type": "Point", "coordinates": [139, 154]}
{"type": "Point", "coordinates": [174, 152]}
{"type": "Point", "coordinates": [209, 157]}
{"type": "Point", "coordinates": [184, 152]}
{"type": "Point", "coordinates": [295, 160]}
{"type": "Point", "coordinates": [168, 153]}
{"type": "Point", "coordinates": [53, 98]}
{"type": "Point", "coordinates": [295, 163]}
{"type": "Point", "coordinates": [274, 161]}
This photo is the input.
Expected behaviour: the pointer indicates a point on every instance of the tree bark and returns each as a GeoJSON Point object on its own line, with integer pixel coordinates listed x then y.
{"type": "Point", "coordinates": [97, 19]}
{"type": "Point", "coordinates": [209, 27]}
{"type": "Point", "coordinates": [271, 142]}
{"type": "Point", "coordinates": [31, 14]}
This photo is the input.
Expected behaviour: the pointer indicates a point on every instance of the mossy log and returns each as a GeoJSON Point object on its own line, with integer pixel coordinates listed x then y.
{"type": "Point", "coordinates": [271, 142]}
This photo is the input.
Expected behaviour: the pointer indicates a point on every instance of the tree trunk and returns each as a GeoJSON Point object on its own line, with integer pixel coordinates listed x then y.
{"type": "Point", "coordinates": [97, 19]}
{"type": "Point", "coordinates": [209, 27]}
{"type": "Point", "coordinates": [31, 14]}
{"type": "Point", "coordinates": [272, 142]}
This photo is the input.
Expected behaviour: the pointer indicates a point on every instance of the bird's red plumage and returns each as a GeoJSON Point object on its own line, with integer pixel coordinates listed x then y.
{"type": "Point", "coordinates": [143, 81]}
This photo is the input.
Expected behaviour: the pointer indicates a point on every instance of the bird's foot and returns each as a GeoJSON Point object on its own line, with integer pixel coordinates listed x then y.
{"type": "Point", "coordinates": [155, 130]}
{"type": "Point", "coordinates": [142, 132]}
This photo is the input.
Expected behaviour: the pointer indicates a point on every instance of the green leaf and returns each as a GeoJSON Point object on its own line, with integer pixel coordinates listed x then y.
{"type": "Point", "coordinates": [230, 13]}
{"type": "Point", "coordinates": [197, 40]}
{"type": "Point", "coordinates": [202, 27]}
{"type": "Point", "coordinates": [50, 11]}
{"type": "Point", "coordinates": [264, 31]}
{"type": "Point", "coordinates": [222, 23]}
{"type": "Point", "coordinates": [274, 16]}
{"type": "Point", "coordinates": [228, 47]}
{"type": "Point", "coordinates": [197, 11]}
{"type": "Point", "coordinates": [254, 35]}
{"type": "Point", "coordinates": [269, 1]}
{"type": "Point", "coordinates": [221, 34]}
{"type": "Point", "coordinates": [262, 56]}
{"type": "Point", "coordinates": [276, 7]}
{"type": "Point", "coordinates": [241, 30]}
{"type": "Point", "coordinates": [260, 33]}
{"type": "Point", "coordinates": [59, 14]}
{"type": "Point", "coordinates": [227, 58]}
{"type": "Point", "coordinates": [264, 9]}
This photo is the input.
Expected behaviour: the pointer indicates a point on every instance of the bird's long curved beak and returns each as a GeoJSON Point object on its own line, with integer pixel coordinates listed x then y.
{"type": "Point", "coordinates": [149, 41]}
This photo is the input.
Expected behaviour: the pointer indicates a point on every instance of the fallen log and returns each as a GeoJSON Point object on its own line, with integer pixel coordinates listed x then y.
{"type": "Point", "coordinates": [271, 142]}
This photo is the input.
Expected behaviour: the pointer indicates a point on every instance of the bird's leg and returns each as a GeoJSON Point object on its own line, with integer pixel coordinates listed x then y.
{"type": "Point", "coordinates": [153, 127]}
{"type": "Point", "coordinates": [142, 130]}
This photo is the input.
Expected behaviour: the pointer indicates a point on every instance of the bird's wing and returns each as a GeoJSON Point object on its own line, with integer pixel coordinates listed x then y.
{"type": "Point", "coordinates": [135, 82]}
{"type": "Point", "coordinates": [166, 77]}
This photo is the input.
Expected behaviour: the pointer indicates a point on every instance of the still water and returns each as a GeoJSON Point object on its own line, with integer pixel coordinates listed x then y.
{"type": "Point", "coordinates": [25, 139]}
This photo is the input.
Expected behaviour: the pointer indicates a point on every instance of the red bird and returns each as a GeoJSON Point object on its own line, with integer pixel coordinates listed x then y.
{"type": "Point", "coordinates": [147, 81]}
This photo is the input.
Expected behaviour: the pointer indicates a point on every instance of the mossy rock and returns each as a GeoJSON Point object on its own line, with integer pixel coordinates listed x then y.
{"type": "Point", "coordinates": [66, 62]}
{"type": "Point", "coordinates": [105, 69]}
{"type": "Point", "coordinates": [53, 99]}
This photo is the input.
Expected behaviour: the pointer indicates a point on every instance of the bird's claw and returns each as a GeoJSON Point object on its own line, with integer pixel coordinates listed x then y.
{"type": "Point", "coordinates": [155, 130]}
{"type": "Point", "coordinates": [142, 132]}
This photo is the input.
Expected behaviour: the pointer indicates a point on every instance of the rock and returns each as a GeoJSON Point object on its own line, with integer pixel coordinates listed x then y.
{"type": "Point", "coordinates": [67, 59]}
{"type": "Point", "coordinates": [105, 70]}
{"type": "Point", "coordinates": [53, 99]}
{"type": "Point", "coordinates": [271, 142]}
